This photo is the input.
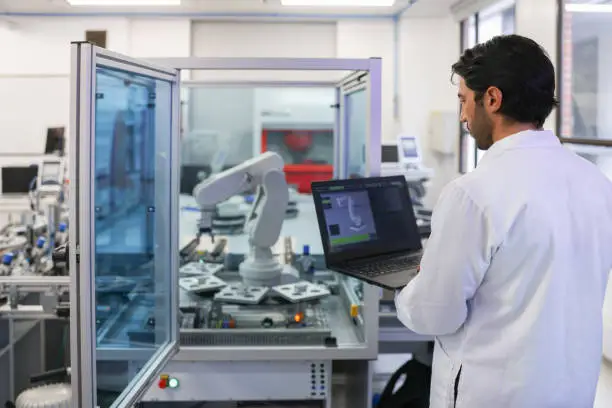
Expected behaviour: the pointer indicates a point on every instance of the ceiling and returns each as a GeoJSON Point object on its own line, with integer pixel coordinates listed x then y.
{"type": "Point", "coordinates": [229, 9]}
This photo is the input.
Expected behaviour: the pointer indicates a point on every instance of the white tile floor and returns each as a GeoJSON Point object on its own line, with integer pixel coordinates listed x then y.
{"type": "Point", "coordinates": [604, 387]}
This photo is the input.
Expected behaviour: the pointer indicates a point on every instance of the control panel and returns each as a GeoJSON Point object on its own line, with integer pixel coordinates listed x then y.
{"type": "Point", "coordinates": [208, 381]}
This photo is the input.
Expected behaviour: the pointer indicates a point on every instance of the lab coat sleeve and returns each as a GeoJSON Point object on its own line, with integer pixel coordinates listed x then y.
{"type": "Point", "coordinates": [454, 263]}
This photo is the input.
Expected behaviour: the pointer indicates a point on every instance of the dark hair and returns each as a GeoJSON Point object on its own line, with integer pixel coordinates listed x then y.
{"type": "Point", "coordinates": [520, 68]}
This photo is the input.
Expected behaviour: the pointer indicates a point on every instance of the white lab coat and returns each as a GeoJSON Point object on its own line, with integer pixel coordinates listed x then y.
{"type": "Point", "coordinates": [513, 278]}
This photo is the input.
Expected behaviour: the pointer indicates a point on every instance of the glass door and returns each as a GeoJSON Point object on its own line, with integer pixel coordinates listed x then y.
{"type": "Point", "coordinates": [124, 248]}
{"type": "Point", "coordinates": [355, 125]}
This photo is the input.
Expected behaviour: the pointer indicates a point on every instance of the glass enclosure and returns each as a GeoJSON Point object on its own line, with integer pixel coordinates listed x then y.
{"type": "Point", "coordinates": [124, 191]}
{"type": "Point", "coordinates": [140, 251]}
{"type": "Point", "coordinates": [132, 129]}
{"type": "Point", "coordinates": [230, 123]}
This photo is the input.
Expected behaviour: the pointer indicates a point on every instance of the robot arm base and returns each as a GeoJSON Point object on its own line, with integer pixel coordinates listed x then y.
{"type": "Point", "coordinates": [261, 268]}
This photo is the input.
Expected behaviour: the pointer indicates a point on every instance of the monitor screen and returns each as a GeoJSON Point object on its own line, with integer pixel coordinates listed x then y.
{"type": "Point", "coordinates": [17, 180]}
{"type": "Point", "coordinates": [409, 148]}
{"type": "Point", "coordinates": [367, 216]}
{"type": "Point", "coordinates": [55, 141]}
{"type": "Point", "coordinates": [50, 173]}
{"type": "Point", "coordinates": [388, 154]}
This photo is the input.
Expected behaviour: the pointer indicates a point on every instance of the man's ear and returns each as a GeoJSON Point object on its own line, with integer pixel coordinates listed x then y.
{"type": "Point", "coordinates": [493, 99]}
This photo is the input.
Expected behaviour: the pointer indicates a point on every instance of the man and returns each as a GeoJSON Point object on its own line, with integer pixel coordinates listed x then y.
{"type": "Point", "coordinates": [512, 281]}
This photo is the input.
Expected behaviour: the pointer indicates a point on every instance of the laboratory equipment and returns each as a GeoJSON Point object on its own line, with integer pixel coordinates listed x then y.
{"type": "Point", "coordinates": [282, 321]}
{"type": "Point", "coordinates": [263, 173]}
{"type": "Point", "coordinates": [409, 152]}
{"type": "Point", "coordinates": [307, 152]}
{"type": "Point", "coordinates": [368, 229]}
{"type": "Point", "coordinates": [405, 158]}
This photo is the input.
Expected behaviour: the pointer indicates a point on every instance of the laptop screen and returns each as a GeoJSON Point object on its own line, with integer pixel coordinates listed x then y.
{"type": "Point", "coordinates": [365, 217]}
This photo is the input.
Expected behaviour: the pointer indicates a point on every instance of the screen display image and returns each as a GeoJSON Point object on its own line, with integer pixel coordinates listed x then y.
{"type": "Point", "coordinates": [409, 148]}
{"type": "Point", "coordinates": [360, 218]}
{"type": "Point", "coordinates": [349, 218]}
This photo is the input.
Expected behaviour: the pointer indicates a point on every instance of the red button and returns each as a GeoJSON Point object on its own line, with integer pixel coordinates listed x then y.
{"type": "Point", "coordinates": [162, 384]}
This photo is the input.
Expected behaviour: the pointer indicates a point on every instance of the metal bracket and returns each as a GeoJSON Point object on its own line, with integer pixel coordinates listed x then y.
{"type": "Point", "coordinates": [199, 269]}
{"type": "Point", "coordinates": [301, 291]}
{"type": "Point", "coordinates": [202, 284]}
{"type": "Point", "coordinates": [248, 295]}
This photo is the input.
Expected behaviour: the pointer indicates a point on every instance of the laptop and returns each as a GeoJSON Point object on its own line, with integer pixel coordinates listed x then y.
{"type": "Point", "coordinates": [368, 229]}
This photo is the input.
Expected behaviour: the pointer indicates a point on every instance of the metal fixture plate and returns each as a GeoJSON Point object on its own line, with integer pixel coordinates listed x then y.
{"type": "Point", "coordinates": [301, 291]}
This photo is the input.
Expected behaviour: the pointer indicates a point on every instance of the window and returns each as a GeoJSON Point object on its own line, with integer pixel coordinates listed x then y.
{"type": "Point", "coordinates": [586, 86]}
{"type": "Point", "coordinates": [497, 19]}
{"type": "Point", "coordinates": [585, 115]}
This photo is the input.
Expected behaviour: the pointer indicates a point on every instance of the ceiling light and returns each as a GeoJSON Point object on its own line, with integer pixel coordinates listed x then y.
{"type": "Point", "coordinates": [124, 2]}
{"type": "Point", "coordinates": [339, 3]}
{"type": "Point", "coordinates": [589, 8]}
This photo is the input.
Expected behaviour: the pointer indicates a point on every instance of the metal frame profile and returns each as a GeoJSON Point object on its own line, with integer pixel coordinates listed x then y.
{"type": "Point", "coordinates": [373, 67]}
{"type": "Point", "coordinates": [85, 59]}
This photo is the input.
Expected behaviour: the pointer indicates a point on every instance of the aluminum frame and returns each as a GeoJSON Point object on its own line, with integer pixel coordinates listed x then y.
{"type": "Point", "coordinates": [84, 62]}
{"type": "Point", "coordinates": [373, 68]}
{"type": "Point", "coordinates": [270, 64]}
{"type": "Point", "coordinates": [85, 59]}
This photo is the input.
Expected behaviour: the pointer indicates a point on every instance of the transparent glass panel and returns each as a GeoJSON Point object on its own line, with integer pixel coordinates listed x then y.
{"type": "Point", "coordinates": [228, 125]}
{"type": "Point", "coordinates": [132, 190]}
{"type": "Point", "coordinates": [356, 105]}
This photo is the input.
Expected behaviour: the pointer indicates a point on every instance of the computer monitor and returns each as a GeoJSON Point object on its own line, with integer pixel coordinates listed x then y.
{"type": "Point", "coordinates": [50, 176]}
{"type": "Point", "coordinates": [55, 141]}
{"type": "Point", "coordinates": [18, 179]}
{"type": "Point", "coordinates": [388, 154]}
{"type": "Point", "coordinates": [408, 150]}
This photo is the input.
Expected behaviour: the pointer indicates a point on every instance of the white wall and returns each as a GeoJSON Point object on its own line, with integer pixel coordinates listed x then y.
{"type": "Point", "coordinates": [425, 87]}
{"type": "Point", "coordinates": [538, 21]}
{"type": "Point", "coordinates": [35, 68]}
{"type": "Point", "coordinates": [374, 38]}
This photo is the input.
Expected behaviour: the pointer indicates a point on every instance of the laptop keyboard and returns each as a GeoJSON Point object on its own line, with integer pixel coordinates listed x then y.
{"type": "Point", "coordinates": [380, 267]}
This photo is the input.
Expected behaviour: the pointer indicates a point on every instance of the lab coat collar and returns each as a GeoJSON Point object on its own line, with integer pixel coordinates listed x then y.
{"type": "Point", "coordinates": [525, 139]}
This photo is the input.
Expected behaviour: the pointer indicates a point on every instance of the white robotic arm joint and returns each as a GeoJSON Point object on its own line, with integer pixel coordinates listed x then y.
{"type": "Point", "coordinates": [264, 223]}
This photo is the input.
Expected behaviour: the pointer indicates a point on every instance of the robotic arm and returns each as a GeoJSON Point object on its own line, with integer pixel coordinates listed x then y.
{"type": "Point", "coordinates": [264, 223]}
